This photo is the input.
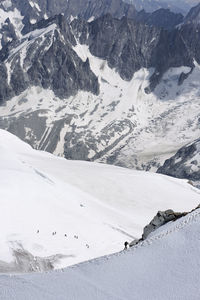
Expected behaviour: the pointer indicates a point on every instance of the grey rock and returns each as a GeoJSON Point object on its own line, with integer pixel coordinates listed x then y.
{"type": "Point", "coordinates": [185, 163]}
{"type": "Point", "coordinates": [8, 33]}
{"type": "Point", "coordinates": [161, 218]}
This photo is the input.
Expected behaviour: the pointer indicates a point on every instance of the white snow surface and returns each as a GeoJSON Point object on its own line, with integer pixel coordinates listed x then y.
{"type": "Point", "coordinates": [97, 206]}
{"type": "Point", "coordinates": [7, 3]}
{"type": "Point", "coordinates": [165, 266]}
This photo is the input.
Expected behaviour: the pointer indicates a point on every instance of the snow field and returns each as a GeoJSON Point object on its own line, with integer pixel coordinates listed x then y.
{"type": "Point", "coordinates": [93, 208]}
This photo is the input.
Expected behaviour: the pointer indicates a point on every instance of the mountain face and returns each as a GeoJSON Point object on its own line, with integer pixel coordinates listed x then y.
{"type": "Point", "coordinates": [34, 11]}
{"type": "Point", "coordinates": [104, 90]}
{"type": "Point", "coordinates": [141, 45]}
{"type": "Point", "coordinates": [50, 63]}
{"type": "Point", "coordinates": [193, 16]}
{"type": "Point", "coordinates": [185, 163]}
{"type": "Point", "coordinates": [134, 45]}
{"type": "Point", "coordinates": [160, 18]}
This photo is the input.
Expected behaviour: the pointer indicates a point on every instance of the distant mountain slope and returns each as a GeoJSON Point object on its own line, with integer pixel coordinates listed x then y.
{"type": "Point", "coordinates": [109, 90]}
{"type": "Point", "coordinates": [194, 15]}
{"type": "Point", "coordinates": [56, 213]}
{"type": "Point", "coordinates": [160, 18]}
{"type": "Point", "coordinates": [185, 163]}
{"type": "Point", "coordinates": [36, 10]}
{"type": "Point", "coordinates": [180, 6]}
{"type": "Point", "coordinates": [165, 266]}
{"type": "Point", "coordinates": [24, 59]}
{"type": "Point", "coordinates": [19, 13]}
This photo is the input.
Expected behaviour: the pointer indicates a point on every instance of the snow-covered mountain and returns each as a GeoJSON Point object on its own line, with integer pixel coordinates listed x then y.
{"type": "Point", "coordinates": [111, 90]}
{"type": "Point", "coordinates": [56, 213]}
{"type": "Point", "coordinates": [165, 266]}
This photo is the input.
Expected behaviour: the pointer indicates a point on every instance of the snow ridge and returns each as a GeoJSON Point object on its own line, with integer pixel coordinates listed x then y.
{"type": "Point", "coordinates": [165, 260]}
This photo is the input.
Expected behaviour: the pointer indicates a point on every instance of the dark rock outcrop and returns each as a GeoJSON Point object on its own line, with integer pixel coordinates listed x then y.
{"type": "Point", "coordinates": [184, 164]}
{"type": "Point", "coordinates": [162, 218]}
{"type": "Point", "coordinates": [8, 33]}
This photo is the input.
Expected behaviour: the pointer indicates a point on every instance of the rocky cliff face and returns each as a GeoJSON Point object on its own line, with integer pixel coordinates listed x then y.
{"type": "Point", "coordinates": [34, 11]}
{"type": "Point", "coordinates": [185, 163]}
{"type": "Point", "coordinates": [125, 45]}
{"type": "Point", "coordinates": [48, 61]}
{"type": "Point", "coordinates": [128, 46]}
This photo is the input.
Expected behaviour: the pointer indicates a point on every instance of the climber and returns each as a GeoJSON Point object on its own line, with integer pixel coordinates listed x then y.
{"type": "Point", "coordinates": [126, 244]}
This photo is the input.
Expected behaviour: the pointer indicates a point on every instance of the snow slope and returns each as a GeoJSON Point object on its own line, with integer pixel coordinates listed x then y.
{"type": "Point", "coordinates": [93, 208]}
{"type": "Point", "coordinates": [165, 266]}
